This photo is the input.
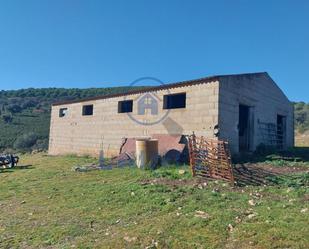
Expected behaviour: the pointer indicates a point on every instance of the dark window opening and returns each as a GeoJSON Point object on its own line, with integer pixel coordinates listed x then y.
{"type": "Point", "coordinates": [63, 112]}
{"type": "Point", "coordinates": [125, 106]}
{"type": "Point", "coordinates": [174, 101]}
{"type": "Point", "coordinates": [87, 110]}
{"type": "Point", "coordinates": [244, 128]}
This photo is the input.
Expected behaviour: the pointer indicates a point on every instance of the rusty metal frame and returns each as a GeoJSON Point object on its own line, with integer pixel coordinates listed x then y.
{"type": "Point", "coordinates": [210, 158]}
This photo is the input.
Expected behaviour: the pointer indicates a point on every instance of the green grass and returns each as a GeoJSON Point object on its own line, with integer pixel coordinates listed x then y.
{"type": "Point", "coordinates": [47, 205]}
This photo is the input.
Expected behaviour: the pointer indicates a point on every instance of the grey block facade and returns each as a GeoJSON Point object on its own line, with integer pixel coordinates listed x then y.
{"type": "Point", "coordinates": [265, 100]}
{"type": "Point", "coordinates": [213, 107]}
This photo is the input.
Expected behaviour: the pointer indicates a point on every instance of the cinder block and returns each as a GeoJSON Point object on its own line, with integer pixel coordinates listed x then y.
{"type": "Point", "coordinates": [206, 105]}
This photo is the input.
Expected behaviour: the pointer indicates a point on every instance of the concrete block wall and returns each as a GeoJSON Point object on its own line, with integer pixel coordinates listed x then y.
{"type": "Point", "coordinates": [261, 93]}
{"type": "Point", "coordinates": [86, 135]}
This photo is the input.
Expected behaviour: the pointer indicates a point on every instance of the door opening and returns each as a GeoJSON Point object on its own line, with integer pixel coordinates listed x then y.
{"type": "Point", "coordinates": [281, 132]}
{"type": "Point", "coordinates": [244, 128]}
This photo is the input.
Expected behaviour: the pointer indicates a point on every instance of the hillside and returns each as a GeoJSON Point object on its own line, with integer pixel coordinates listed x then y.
{"type": "Point", "coordinates": [301, 116]}
{"type": "Point", "coordinates": [25, 114]}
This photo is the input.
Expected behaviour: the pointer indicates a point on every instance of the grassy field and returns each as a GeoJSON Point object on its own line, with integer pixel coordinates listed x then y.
{"type": "Point", "coordinates": [45, 204]}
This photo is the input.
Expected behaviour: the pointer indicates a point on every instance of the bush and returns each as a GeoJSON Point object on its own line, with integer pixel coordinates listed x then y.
{"type": "Point", "coordinates": [7, 118]}
{"type": "Point", "coordinates": [40, 145]}
{"type": "Point", "coordinates": [25, 142]}
{"type": "Point", "coordinates": [14, 108]}
{"type": "Point", "coordinates": [29, 104]}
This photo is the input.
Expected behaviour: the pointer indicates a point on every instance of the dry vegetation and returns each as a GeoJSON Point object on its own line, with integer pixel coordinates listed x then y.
{"type": "Point", "coordinates": [302, 139]}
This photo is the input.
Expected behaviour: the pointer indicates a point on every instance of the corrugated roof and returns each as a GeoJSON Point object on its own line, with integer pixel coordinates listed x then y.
{"type": "Point", "coordinates": [157, 88]}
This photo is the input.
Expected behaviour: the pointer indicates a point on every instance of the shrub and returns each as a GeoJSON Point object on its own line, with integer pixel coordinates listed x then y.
{"type": "Point", "coordinates": [25, 142]}
{"type": "Point", "coordinates": [7, 118]}
{"type": "Point", "coordinates": [40, 145]}
{"type": "Point", "coordinates": [14, 108]}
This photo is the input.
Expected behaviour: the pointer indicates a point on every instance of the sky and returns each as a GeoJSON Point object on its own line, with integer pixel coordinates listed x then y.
{"type": "Point", "coordinates": [102, 43]}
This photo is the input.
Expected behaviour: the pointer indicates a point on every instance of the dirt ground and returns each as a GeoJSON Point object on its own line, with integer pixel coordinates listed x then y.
{"type": "Point", "coordinates": [263, 173]}
{"type": "Point", "coordinates": [176, 182]}
{"type": "Point", "coordinates": [276, 170]}
{"type": "Point", "coordinates": [244, 174]}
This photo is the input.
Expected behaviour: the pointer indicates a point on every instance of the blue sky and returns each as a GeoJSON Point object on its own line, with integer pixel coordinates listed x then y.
{"type": "Point", "coordinates": [89, 43]}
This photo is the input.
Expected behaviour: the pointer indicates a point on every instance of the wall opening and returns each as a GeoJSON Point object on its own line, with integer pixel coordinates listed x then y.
{"type": "Point", "coordinates": [87, 110]}
{"type": "Point", "coordinates": [63, 112]}
{"type": "Point", "coordinates": [245, 128]}
{"type": "Point", "coordinates": [281, 132]}
{"type": "Point", "coordinates": [125, 106]}
{"type": "Point", "coordinates": [174, 101]}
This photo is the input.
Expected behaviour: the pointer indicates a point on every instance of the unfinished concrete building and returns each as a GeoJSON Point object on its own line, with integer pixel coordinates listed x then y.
{"type": "Point", "coordinates": [244, 109]}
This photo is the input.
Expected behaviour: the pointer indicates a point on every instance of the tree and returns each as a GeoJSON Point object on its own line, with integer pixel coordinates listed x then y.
{"type": "Point", "coordinates": [14, 108]}
{"type": "Point", "coordinates": [301, 115]}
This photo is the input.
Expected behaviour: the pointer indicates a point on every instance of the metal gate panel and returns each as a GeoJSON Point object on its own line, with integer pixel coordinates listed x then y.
{"type": "Point", "coordinates": [210, 158]}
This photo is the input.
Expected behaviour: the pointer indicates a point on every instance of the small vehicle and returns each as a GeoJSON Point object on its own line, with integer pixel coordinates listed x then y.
{"type": "Point", "coordinates": [8, 161]}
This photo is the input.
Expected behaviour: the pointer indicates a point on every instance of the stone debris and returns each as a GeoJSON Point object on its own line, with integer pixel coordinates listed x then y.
{"type": "Point", "coordinates": [237, 219]}
{"type": "Point", "coordinates": [215, 190]}
{"type": "Point", "coordinates": [251, 202]}
{"type": "Point", "coordinates": [230, 228]}
{"type": "Point", "coordinates": [201, 214]}
{"type": "Point", "coordinates": [181, 172]}
{"type": "Point", "coordinates": [129, 239]}
{"type": "Point", "coordinates": [154, 245]}
{"type": "Point", "coordinates": [250, 216]}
